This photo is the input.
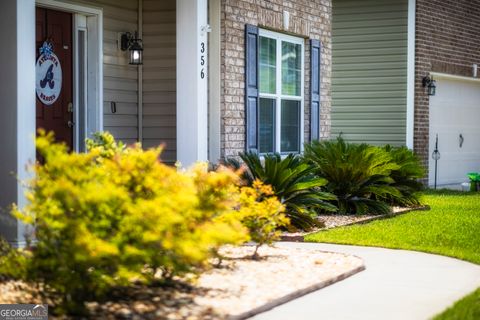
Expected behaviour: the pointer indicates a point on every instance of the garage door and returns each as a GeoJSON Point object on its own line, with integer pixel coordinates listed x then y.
{"type": "Point", "coordinates": [455, 117]}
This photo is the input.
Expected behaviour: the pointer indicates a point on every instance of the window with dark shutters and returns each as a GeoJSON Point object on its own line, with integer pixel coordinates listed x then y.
{"type": "Point", "coordinates": [274, 86]}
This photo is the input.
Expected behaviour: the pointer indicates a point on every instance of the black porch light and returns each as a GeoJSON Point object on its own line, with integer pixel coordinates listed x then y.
{"type": "Point", "coordinates": [134, 45]}
{"type": "Point", "coordinates": [430, 84]}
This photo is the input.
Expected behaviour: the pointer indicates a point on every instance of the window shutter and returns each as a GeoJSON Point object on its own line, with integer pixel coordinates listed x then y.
{"type": "Point", "coordinates": [315, 47]}
{"type": "Point", "coordinates": [251, 87]}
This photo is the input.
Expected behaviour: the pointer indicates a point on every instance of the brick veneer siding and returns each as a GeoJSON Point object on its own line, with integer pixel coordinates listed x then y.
{"type": "Point", "coordinates": [447, 40]}
{"type": "Point", "coordinates": [308, 19]}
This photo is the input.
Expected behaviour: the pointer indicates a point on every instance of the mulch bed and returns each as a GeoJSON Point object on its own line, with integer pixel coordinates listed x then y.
{"type": "Point", "coordinates": [239, 288]}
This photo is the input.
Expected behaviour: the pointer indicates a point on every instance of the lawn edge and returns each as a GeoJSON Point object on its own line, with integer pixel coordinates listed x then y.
{"type": "Point", "coordinates": [301, 238]}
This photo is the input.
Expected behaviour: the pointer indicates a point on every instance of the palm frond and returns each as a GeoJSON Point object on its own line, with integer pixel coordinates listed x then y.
{"type": "Point", "coordinates": [294, 183]}
{"type": "Point", "coordinates": [358, 174]}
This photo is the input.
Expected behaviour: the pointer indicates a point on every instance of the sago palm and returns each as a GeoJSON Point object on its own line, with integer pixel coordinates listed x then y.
{"type": "Point", "coordinates": [406, 177]}
{"type": "Point", "coordinates": [358, 174]}
{"type": "Point", "coordinates": [293, 183]}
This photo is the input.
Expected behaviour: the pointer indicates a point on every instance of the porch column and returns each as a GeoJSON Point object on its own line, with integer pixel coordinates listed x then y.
{"type": "Point", "coordinates": [192, 57]}
{"type": "Point", "coordinates": [17, 109]}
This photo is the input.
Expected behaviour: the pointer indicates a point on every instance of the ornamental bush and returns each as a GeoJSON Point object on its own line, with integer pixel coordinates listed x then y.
{"type": "Point", "coordinates": [261, 212]}
{"type": "Point", "coordinates": [406, 178]}
{"type": "Point", "coordinates": [117, 215]}
{"type": "Point", "coordinates": [358, 174]}
{"type": "Point", "coordinates": [292, 182]}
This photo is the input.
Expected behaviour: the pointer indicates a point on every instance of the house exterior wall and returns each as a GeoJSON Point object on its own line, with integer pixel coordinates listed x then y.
{"type": "Point", "coordinates": [447, 41]}
{"type": "Point", "coordinates": [369, 72]}
{"type": "Point", "coordinates": [120, 80]}
{"type": "Point", "coordinates": [308, 19]}
{"type": "Point", "coordinates": [159, 76]}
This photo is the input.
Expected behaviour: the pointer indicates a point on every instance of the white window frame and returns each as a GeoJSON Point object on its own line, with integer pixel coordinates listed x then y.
{"type": "Point", "coordinates": [278, 96]}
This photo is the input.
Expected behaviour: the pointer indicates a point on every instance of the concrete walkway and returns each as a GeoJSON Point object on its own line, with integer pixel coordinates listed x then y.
{"type": "Point", "coordinates": [397, 284]}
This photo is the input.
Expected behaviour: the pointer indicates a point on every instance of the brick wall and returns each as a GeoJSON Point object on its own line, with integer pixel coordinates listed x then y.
{"type": "Point", "coordinates": [447, 40]}
{"type": "Point", "coordinates": [308, 19]}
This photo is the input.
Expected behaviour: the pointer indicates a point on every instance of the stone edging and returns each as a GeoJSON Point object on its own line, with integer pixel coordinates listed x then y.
{"type": "Point", "coordinates": [296, 294]}
{"type": "Point", "coordinates": [301, 237]}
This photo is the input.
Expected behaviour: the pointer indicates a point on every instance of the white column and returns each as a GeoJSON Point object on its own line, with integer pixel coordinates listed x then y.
{"type": "Point", "coordinates": [17, 112]}
{"type": "Point", "coordinates": [410, 75]}
{"type": "Point", "coordinates": [192, 95]}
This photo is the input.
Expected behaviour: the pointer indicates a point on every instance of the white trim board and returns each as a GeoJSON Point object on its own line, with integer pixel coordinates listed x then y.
{"type": "Point", "coordinates": [70, 7]}
{"type": "Point", "coordinates": [439, 75]}
{"type": "Point", "coordinates": [214, 82]}
{"type": "Point", "coordinates": [410, 75]}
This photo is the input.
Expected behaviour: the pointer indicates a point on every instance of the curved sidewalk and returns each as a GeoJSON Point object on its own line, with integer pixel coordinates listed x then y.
{"type": "Point", "coordinates": [397, 284]}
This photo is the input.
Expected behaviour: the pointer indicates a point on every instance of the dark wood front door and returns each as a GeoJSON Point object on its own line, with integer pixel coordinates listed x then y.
{"type": "Point", "coordinates": [56, 27]}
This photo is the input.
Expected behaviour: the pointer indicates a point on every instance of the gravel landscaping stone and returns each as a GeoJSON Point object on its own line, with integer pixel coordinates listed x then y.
{"type": "Point", "coordinates": [239, 288]}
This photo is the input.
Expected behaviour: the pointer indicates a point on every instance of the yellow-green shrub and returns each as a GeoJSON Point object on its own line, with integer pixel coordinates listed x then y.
{"type": "Point", "coordinates": [261, 213]}
{"type": "Point", "coordinates": [12, 262]}
{"type": "Point", "coordinates": [116, 215]}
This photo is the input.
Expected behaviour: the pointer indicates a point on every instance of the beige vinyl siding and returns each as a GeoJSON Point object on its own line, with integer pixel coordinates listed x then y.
{"type": "Point", "coordinates": [369, 72]}
{"type": "Point", "coordinates": [159, 76]}
{"type": "Point", "coordinates": [119, 78]}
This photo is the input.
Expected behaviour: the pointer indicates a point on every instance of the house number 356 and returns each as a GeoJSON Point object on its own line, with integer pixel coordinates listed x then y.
{"type": "Point", "coordinates": [202, 60]}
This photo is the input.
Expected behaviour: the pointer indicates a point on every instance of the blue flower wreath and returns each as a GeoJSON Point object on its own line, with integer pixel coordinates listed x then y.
{"type": "Point", "coordinates": [46, 49]}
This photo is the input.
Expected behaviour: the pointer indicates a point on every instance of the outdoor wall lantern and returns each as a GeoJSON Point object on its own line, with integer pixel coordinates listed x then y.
{"type": "Point", "coordinates": [134, 45]}
{"type": "Point", "coordinates": [430, 84]}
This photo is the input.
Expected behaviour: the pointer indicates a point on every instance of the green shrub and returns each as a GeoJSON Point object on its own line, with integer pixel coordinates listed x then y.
{"type": "Point", "coordinates": [261, 213]}
{"type": "Point", "coordinates": [357, 174]}
{"type": "Point", "coordinates": [406, 177]}
{"type": "Point", "coordinates": [13, 262]}
{"type": "Point", "coordinates": [292, 183]}
{"type": "Point", "coordinates": [114, 216]}
{"type": "Point", "coordinates": [106, 145]}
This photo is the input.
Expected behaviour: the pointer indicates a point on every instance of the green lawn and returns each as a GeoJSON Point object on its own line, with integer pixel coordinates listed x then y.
{"type": "Point", "coordinates": [466, 309]}
{"type": "Point", "coordinates": [450, 228]}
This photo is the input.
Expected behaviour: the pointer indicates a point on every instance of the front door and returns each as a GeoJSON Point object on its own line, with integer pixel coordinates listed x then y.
{"type": "Point", "coordinates": [54, 84]}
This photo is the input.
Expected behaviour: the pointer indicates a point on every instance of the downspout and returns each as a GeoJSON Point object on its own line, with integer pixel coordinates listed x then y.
{"type": "Point", "coordinates": [140, 76]}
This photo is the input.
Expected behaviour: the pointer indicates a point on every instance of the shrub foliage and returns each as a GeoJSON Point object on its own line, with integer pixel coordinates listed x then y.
{"type": "Point", "coordinates": [261, 212]}
{"type": "Point", "coordinates": [406, 179]}
{"type": "Point", "coordinates": [358, 174]}
{"type": "Point", "coordinates": [117, 215]}
{"type": "Point", "coordinates": [293, 182]}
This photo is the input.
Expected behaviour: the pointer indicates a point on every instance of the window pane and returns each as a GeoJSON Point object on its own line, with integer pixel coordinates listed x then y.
{"type": "Point", "coordinates": [267, 126]}
{"type": "Point", "coordinates": [290, 126]}
{"type": "Point", "coordinates": [291, 68]}
{"type": "Point", "coordinates": [268, 57]}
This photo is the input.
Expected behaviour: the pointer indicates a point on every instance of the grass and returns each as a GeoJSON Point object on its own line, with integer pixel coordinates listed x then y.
{"type": "Point", "coordinates": [466, 309]}
{"type": "Point", "coordinates": [450, 228]}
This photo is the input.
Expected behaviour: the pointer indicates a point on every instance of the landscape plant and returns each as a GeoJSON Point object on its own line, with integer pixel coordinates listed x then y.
{"type": "Point", "coordinates": [474, 178]}
{"type": "Point", "coordinates": [115, 215]}
{"type": "Point", "coordinates": [406, 178]}
{"type": "Point", "coordinates": [292, 182]}
{"type": "Point", "coordinates": [261, 212]}
{"type": "Point", "coordinates": [359, 175]}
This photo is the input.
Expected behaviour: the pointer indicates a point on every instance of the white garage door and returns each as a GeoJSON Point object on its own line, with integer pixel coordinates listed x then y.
{"type": "Point", "coordinates": [455, 114]}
